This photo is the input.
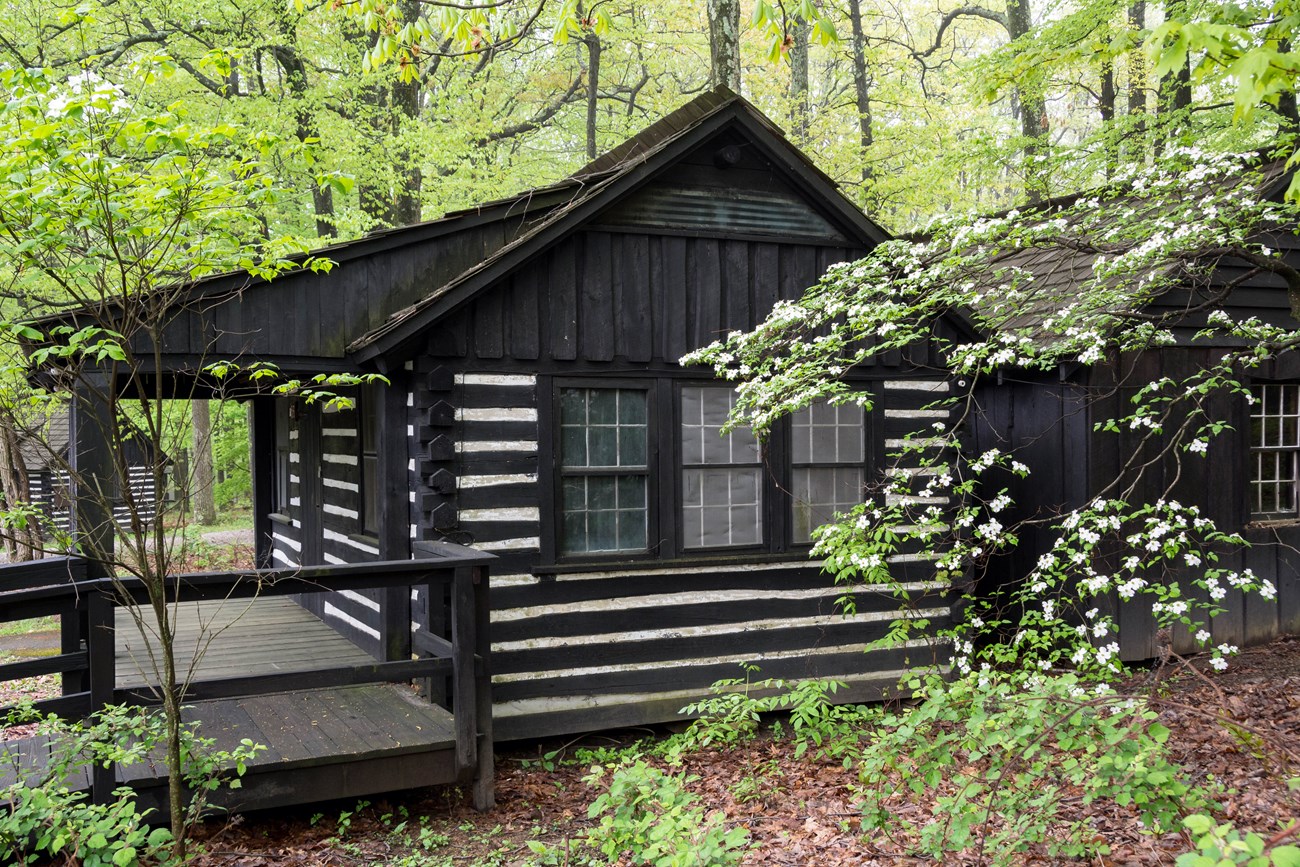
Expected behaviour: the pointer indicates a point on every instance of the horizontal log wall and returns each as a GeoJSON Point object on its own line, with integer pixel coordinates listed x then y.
{"type": "Point", "coordinates": [628, 647]}
{"type": "Point", "coordinates": [574, 651]}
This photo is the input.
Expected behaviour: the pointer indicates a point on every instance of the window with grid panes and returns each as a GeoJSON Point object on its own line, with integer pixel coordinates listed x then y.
{"type": "Point", "coordinates": [604, 470]}
{"type": "Point", "coordinates": [1275, 447]}
{"type": "Point", "coordinates": [827, 455]}
{"type": "Point", "coordinates": [722, 476]}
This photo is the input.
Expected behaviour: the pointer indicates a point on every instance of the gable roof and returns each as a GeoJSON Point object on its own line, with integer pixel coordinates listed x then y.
{"type": "Point", "coordinates": [46, 434]}
{"type": "Point", "coordinates": [1057, 269]}
{"type": "Point", "coordinates": [611, 177]}
{"type": "Point", "coordinates": [348, 318]}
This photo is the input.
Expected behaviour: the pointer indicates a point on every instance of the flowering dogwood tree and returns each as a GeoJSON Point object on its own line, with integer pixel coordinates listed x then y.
{"type": "Point", "coordinates": [1154, 229]}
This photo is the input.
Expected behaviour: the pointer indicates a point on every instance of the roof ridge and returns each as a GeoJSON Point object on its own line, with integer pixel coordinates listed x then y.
{"type": "Point", "coordinates": [659, 133]}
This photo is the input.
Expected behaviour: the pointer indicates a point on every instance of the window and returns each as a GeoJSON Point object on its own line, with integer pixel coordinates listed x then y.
{"type": "Point", "coordinates": [722, 476]}
{"type": "Point", "coordinates": [827, 455]}
{"type": "Point", "coordinates": [280, 494]}
{"type": "Point", "coordinates": [643, 470]}
{"type": "Point", "coordinates": [604, 470]}
{"type": "Point", "coordinates": [368, 421]}
{"type": "Point", "coordinates": [1274, 445]}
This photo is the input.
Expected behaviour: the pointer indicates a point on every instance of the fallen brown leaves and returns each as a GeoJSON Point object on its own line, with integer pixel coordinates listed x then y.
{"type": "Point", "coordinates": [1238, 726]}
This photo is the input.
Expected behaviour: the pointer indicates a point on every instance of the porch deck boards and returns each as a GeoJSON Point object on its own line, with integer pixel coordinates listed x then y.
{"type": "Point", "coordinates": [346, 741]}
{"type": "Point", "coordinates": [237, 638]}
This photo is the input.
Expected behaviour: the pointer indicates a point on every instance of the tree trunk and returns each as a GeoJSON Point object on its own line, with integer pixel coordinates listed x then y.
{"type": "Point", "coordinates": [1286, 100]}
{"type": "Point", "coordinates": [862, 88]}
{"type": "Point", "coordinates": [204, 499]}
{"type": "Point", "coordinates": [592, 41]}
{"type": "Point", "coordinates": [801, 109]}
{"type": "Point", "coordinates": [1137, 83]}
{"type": "Point", "coordinates": [405, 100]}
{"type": "Point", "coordinates": [1176, 88]}
{"type": "Point", "coordinates": [724, 43]}
{"type": "Point", "coordinates": [295, 76]}
{"type": "Point", "coordinates": [1106, 108]}
{"type": "Point", "coordinates": [21, 542]}
{"type": "Point", "coordinates": [1033, 111]}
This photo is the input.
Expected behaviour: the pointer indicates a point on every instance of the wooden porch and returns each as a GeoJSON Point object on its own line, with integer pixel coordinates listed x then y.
{"type": "Point", "coordinates": [335, 723]}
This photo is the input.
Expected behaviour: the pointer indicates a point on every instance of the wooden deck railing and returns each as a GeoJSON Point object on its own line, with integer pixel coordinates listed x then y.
{"type": "Point", "coordinates": [85, 606]}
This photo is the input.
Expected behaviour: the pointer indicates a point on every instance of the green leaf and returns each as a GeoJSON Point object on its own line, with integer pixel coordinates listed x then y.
{"type": "Point", "coordinates": [1158, 733]}
{"type": "Point", "coordinates": [1286, 856]}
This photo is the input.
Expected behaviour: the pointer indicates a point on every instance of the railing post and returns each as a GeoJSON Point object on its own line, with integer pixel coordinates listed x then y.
{"type": "Point", "coordinates": [93, 428]}
{"type": "Point", "coordinates": [102, 675]}
{"type": "Point", "coordinates": [437, 622]}
{"type": "Point", "coordinates": [394, 514]}
{"type": "Point", "coordinates": [395, 622]}
{"type": "Point", "coordinates": [484, 779]}
{"type": "Point", "coordinates": [463, 704]}
{"type": "Point", "coordinates": [72, 632]}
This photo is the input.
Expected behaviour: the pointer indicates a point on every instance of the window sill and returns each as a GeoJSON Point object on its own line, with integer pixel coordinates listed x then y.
{"type": "Point", "coordinates": [280, 518]}
{"type": "Point", "coordinates": [364, 539]}
{"type": "Point", "coordinates": [1265, 523]}
{"type": "Point", "coordinates": [653, 564]}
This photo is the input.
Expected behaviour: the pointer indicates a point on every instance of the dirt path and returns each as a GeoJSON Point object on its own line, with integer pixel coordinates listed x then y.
{"type": "Point", "coordinates": [229, 537]}
{"type": "Point", "coordinates": [25, 644]}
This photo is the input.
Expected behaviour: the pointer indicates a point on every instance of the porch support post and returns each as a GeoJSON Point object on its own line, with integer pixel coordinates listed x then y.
{"type": "Point", "coordinates": [261, 435]}
{"type": "Point", "coordinates": [484, 775]}
{"type": "Point", "coordinates": [394, 514]}
{"type": "Point", "coordinates": [93, 470]}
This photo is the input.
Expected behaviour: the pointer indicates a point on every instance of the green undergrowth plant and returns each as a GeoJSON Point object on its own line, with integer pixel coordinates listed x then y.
{"type": "Point", "coordinates": [1222, 845]}
{"type": "Point", "coordinates": [43, 818]}
{"type": "Point", "coordinates": [649, 816]}
{"type": "Point", "coordinates": [996, 756]}
{"type": "Point", "coordinates": [734, 710]}
{"type": "Point", "coordinates": [646, 816]}
{"type": "Point", "coordinates": [406, 841]}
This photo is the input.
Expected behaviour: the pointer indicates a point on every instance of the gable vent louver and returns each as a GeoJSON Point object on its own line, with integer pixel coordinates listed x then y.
{"type": "Point", "coordinates": [715, 209]}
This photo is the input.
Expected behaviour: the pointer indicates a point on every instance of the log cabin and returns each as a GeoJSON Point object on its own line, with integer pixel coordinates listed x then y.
{"type": "Point", "coordinates": [44, 440]}
{"type": "Point", "coordinates": [1249, 480]}
{"type": "Point", "coordinates": [537, 410]}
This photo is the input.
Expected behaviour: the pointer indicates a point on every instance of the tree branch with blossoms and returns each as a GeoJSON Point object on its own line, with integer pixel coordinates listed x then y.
{"type": "Point", "coordinates": [1067, 283]}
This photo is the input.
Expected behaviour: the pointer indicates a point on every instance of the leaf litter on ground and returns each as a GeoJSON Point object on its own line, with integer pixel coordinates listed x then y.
{"type": "Point", "coordinates": [799, 811]}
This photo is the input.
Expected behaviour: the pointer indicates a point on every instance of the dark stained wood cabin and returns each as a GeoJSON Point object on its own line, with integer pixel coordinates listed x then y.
{"type": "Point", "coordinates": [538, 411]}
{"type": "Point", "coordinates": [43, 444]}
{"type": "Point", "coordinates": [1248, 482]}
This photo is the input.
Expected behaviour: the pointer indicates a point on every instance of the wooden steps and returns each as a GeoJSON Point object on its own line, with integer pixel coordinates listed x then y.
{"type": "Point", "coordinates": [338, 743]}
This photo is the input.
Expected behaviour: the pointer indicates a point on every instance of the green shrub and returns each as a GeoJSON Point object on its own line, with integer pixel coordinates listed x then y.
{"type": "Point", "coordinates": [995, 756]}
{"type": "Point", "coordinates": [1224, 846]}
{"type": "Point", "coordinates": [648, 817]}
{"type": "Point", "coordinates": [40, 823]}
{"type": "Point", "coordinates": [42, 819]}
{"type": "Point", "coordinates": [733, 712]}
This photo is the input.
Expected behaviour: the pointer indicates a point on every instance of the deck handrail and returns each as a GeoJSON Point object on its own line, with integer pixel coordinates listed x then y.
{"type": "Point", "coordinates": [87, 661]}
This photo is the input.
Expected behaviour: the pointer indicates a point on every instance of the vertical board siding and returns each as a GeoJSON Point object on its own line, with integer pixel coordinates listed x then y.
{"type": "Point", "coordinates": [1053, 424]}
{"type": "Point", "coordinates": [607, 296]}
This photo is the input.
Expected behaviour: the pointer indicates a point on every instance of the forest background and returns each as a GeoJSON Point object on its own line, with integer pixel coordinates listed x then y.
{"type": "Point", "coordinates": [916, 108]}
